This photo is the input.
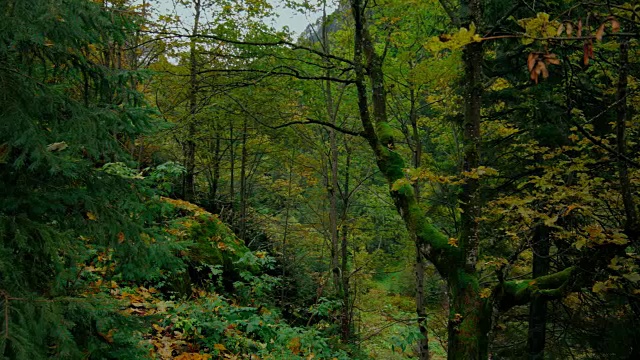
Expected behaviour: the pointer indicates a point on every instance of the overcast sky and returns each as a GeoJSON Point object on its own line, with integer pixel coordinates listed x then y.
{"type": "Point", "coordinates": [295, 21]}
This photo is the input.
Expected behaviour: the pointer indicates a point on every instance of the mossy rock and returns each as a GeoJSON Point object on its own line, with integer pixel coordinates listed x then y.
{"type": "Point", "coordinates": [213, 244]}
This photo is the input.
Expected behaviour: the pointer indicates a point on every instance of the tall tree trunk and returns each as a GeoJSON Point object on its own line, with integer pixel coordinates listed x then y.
{"type": "Point", "coordinates": [232, 165]}
{"type": "Point", "coordinates": [189, 144]}
{"type": "Point", "coordinates": [215, 182]}
{"type": "Point", "coordinates": [421, 262]}
{"type": "Point", "coordinates": [417, 142]}
{"type": "Point", "coordinates": [243, 183]}
{"type": "Point", "coordinates": [469, 321]}
{"type": "Point", "coordinates": [538, 305]}
{"type": "Point", "coordinates": [344, 269]}
{"type": "Point", "coordinates": [332, 177]}
{"type": "Point", "coordinates": [470, 315]}
{"type": "Point", "coordinates": [286, 229]}
{"type": "Point", "coordinates": [421, 311]}
{"type": "Point", "coordinates": [631, 224]}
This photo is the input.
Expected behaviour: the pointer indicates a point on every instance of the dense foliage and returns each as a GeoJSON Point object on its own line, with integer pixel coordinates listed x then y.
{"type": "Point", "coordinates": [406, 179]}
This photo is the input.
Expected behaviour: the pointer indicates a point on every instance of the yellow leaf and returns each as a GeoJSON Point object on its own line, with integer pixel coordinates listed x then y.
{"type": "Point", "coordinates": [485, 293]}
{"type": "Point", "coordinates": [294, 345]}
{"type": "Point", "coordinates": [633, 277]}
{"type": "Point", "coordinates": [59, 146]}
{"type": "Point", "coordinates": [550, 221]}
{"type": "Point", "coordinates": [219, 347]}
{"type": "Point", "coordinates": [599, 287]}
{"type": "Point", "coordinates": [108, 337]}
{"type": "Point", "coordinates": [91, 216]}
{"type": "Point", "coordinates": [453, 242]}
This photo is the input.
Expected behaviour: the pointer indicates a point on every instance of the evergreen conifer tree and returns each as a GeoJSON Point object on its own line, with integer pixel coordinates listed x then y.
{"type": "Point", "coordinates": [64, 113]}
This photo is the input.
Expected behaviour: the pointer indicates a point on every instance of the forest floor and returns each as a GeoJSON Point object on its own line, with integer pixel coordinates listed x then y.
{"type": "Point", "coordinates": [387, 322]}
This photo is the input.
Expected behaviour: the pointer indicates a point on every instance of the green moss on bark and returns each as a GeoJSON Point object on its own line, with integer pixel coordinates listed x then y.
{"type": "Point", "coordinates": [391, 164]}
{"type": "Point", "coordinates": [520, 292]}
{"type": "Point", "coordinates": [385, 133]}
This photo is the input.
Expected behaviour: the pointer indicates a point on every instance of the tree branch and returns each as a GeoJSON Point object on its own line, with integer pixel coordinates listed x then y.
{"type": "Point", "coordinates": [291, 45]}
{"type": "Point", "coordinates": [520, 292]}
{"type": "Point", "coordinates": [319, 122]}
{"type": "Point", "coordinates": [292, 72]}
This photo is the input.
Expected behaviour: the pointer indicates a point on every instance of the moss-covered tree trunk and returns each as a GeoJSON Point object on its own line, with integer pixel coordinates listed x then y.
{"type": "Point", "coordinates": [469, 318]}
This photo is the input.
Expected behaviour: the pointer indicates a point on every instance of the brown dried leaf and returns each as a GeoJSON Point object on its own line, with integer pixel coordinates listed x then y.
{"type": "Point", "coordinates": [534, 76]}
{"type": "Point", "coordinates": [569, 29]}
{"type": "Point", "coordinates": [615, 25]}
{"type": "Point", "coordinates": [531, 61]}
{"type": "Point", "coordinates": [585, 49]}
{"type": "Point", "coordinates": [551, 59]}
{"type": "Point", "coordinates": [541, 68]}
{"type": "Point", "coordinates": [579, 34]}
{"type": "Point", "coordinates": [560, 29]}
{"type": "Point", "coordinates": [108, 337]}
{"type": "Point", "coordinates": [600, 32]}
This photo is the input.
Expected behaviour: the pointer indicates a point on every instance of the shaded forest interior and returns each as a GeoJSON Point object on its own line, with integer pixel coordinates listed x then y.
{"type": "Point", "coordinates": [436, 179]}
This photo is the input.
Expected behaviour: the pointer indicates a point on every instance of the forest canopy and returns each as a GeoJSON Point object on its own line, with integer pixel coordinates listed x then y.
{"type": "Point", "coordinates": [403, 179]}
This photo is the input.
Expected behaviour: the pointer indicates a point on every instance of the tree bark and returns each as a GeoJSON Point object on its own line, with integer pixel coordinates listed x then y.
{"type": "Point", "coordinates": [286, 229]}
{"type": "Point", "coordinates": [538, 305]}
{"type": "Point", "coordinates": [470, 314]}
{"type": "Point", "coordinates": [344, 269]}
{"type": "Point", "coordinates": [469, 320]}
{"type": "Point", "coordinates": [243, 183]}
{"type": "Point", "coordinates": [215, 183]}
{"type": "Point", "coordinates": [332, 176]}
{"type": "Point", "coordinates": [188, 190]}
{"type": "Point", "coordinates": [232, 166]}
{"type": "Point", "coordinates": [631, 224]}
{"type": "Point", "coordinates": [421, 263]}
{"type": "Point", "coordinates": [421, 311]}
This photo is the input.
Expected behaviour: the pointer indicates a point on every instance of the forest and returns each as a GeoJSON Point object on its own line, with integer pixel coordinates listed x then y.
{"type": "Point", "coordinates": [404, 179]}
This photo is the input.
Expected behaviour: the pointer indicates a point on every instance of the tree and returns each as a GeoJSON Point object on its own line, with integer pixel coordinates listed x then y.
{"type": "Point", "coordinates": [65, 115]}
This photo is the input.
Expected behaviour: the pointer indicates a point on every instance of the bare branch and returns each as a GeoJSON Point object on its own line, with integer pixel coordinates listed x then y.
{"type": "Point", "coordinates": [291, 45]}
{"type": "Point", "coordinates": [319, 122]}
